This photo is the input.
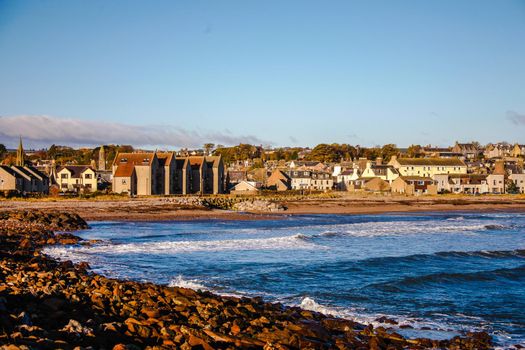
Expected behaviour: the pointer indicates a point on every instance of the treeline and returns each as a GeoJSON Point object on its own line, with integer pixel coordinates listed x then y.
{"type": "Point", "coordinates": [250, 152]}
{"type": "Point", "coordinates": [66, 155]}
{"type": "Point", "coordinates": [323, 153]}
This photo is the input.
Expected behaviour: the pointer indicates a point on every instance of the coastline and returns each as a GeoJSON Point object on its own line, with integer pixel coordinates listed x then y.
{"type": "Point", "coordinates": [54, 304]}
{"type": "Point", "coordinates": [162, 209]}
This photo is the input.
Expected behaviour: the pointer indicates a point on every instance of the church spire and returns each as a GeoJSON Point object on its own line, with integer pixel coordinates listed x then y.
{"type": "Point", "coordinates": [20, 156]}
{"type": "Point", "coordinates": [102, 158]}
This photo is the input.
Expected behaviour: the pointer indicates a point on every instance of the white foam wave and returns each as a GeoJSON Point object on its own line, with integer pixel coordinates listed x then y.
{"type": "Point", "coordinates": [443, 327]}
{"type": "Point", "coordinates": [274, 243]}
{"type": "Point", "coordinates": [179, 281]}
{"type": "Point", "coordinates": [399, 228]}
{"type": "Point", "coordinates": [310, 304]}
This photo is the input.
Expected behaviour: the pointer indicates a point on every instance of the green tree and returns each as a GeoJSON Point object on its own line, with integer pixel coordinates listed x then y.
{"type": "Point", "coordinates": [389, 150]}
{"type": "Point", "coordinates": [415, 151]}
{"type": "Point", "coordinates": [512, 188]}
{"type": "Point", "coordinates": [3, 151]}
{"type": "Point", "coordinates": [208, 148]}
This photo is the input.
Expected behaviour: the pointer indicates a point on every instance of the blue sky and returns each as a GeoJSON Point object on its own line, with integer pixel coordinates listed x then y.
{"type": "Point", "coordinates": [180, 73]}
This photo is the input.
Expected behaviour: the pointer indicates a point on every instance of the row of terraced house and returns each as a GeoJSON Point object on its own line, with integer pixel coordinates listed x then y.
{"type": "Point", "coordinates": [164, 173]}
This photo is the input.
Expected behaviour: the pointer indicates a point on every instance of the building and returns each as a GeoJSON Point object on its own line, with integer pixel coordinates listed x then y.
{"type": "Point", "coordinates": [344, 179]}
{"type": "Point", "coordinates": [310, 180]}
{"type": "Point", "coordinates": [496, 183]}
{"type": "Point", "coordinates": [468, 150]}
{"type": "Point", "coordinates": [20, 155]}
{"type": "Point", "coordinates": [496, 180]}
{"type": "Point", "coordinates": [246, 187]}
{"type": "Point", "coordinates": [203, 175]}
{"type": "Point", "coordinates": [77, 178]}
{"type": "Point", "coordinates": [376, 184]}
{"type": "Point", "coordinates": [428, 167]}
{"type": "Point", "coordinates": [101, 159]}
{"type": "Point", "coordinates": [300, 180]}
{"type": "Point", "coordinates": [383, 171]}
{"type": "Point", "coordinates": [279, 181]}
{"type": "Point", "coordinates": [135, 173]}
{"type": "Point", "coordinates": [461, 183]}
{"type": "Point", "coordinates": [163, 173]}
{"type": "Point", "coordinates": [412, 185]}
{"type": "Point", "coordinates": [518, 150]}
{"type": "Point", "coordinates": [166, 173]}
{"type": "Point", "coordinates": [322, 181]}
{"type": "Point", "coordinates": [499, 150]}
{"type": "Point", "coordinates": [10, 180]}
{"type": "Point", "coordinates": [519, 181]}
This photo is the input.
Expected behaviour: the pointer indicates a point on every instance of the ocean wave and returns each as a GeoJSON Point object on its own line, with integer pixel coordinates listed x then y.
{"type": "Point", "coordinates": [194, 284]}
{"type": "Point", "coordinates": [402, 228]}
{"type": "Point", "coordinates": [297, 241]}
{"type": "Point", "coordinates": [445, 278]}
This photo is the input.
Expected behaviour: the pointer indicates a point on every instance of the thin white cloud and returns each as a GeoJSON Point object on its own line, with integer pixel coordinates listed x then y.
{"type": "Point", "coordinates": [516, 118]}
{"type": "Point", "coordinates": [40, 130]}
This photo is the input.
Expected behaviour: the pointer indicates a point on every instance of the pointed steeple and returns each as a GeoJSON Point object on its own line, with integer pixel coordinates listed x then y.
{"type": "Point", "coordinates": [102, 158]}
{"type": "Point", "coordinates": [20, 155]}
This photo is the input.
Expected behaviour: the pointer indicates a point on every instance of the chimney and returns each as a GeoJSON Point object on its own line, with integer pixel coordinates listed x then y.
{"type": "Point", "coordinates": [499, 168]}
{"type": "Point", "coordinates": [379, 161]}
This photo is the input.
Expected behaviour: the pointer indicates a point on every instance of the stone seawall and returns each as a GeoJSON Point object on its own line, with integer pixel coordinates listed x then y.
{"type": "Point", "coordinates": [45, 304]}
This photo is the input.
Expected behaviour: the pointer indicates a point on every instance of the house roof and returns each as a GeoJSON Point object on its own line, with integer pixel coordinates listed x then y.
{"type": "Point", "coordinates": [75, 170]}
{"type": "Point", "coordinates": [250, 184]}
{"type": "Point", "coordinates": [124, 170]}
{"type": "Point", "coordinates": [10, 171]}
{"type": "Point", "coordinates": [36, 172]}
{"type": "Point", "coordinates": [24, 172]}
{"type": "Point", "coordinates": [348, 172]}
{"type": "Point", "coordinates": [416, 178]}
{"type": "Point", "coordinates": [165, 158]}
{"type": "Point", "coordinates": [431, 161]}
{"type": "Point", "coordinates": [142, 158]}
{"type": "Point", "coordinates": [195, 160]}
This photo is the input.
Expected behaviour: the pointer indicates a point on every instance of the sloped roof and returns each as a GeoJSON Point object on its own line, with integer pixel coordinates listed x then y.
{"type": "Point", "coordinates": [196, 160]}
{"type": "Point", "coordinates": [36, 172]}
{"type": "Point", "coordinates": [22, 171]}
{"type": "Point", "coordinates": [124, 170]}
{"type": "Point", "coordinates": [165, 158]}
{"type": "Point", "coordinates": [75, 170]}
{"type": "Point", "coordinates": [142, 158]}
{"type": "Point", "coordinates": [348, 172]}
{"type": "Point", "coordinates": [10, 171]}
{"type": "Point", "coordinates": [431, 161]}
{"type": "Point", "coordinates": [416, 178]}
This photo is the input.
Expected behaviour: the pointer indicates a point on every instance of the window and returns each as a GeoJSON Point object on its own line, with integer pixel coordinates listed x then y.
{"type": "Point", "coordinates": [63, 176]}
{"type": "Point", "coordinates": [88, 176]}
{"type": "Point", "coordinates": [63, 185]}
{"type": "Point", "coordinates": [123, 181]}
{"type": "Point", "coordinates": [88, 186]}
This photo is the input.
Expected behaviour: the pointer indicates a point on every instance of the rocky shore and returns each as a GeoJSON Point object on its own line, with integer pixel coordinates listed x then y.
{"type": "Point", "coordinates": [45, 304]}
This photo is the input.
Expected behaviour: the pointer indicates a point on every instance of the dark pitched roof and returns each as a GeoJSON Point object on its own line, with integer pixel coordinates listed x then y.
{"type": "Point", "coordinates": [10, 171]}
{"type": "Point", "coordinates": [431, 161]}
{"type": "Point", "coordinates": [76, 170]}
{"type": "Point", "coordinates": [36, 172]}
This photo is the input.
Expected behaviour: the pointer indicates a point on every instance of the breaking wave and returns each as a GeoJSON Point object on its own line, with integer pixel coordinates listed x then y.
{"type": "Point", "coordinates": [179, 281]}
{"type": "Point", "coordinates": [297, 241]}
{"type": "Point", "coordinates": [513, 274]}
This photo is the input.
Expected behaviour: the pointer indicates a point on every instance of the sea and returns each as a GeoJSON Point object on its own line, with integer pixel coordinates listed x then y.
{"type": "Point", "coordinates": [436, 275]}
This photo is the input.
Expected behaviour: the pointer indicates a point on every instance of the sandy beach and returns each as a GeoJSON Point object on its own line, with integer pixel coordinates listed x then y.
{"type": "Point", "coordinates": [163, 208]}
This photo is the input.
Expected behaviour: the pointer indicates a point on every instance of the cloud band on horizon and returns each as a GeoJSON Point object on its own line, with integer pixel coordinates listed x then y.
{"type": "Point", "coordinates": [46, 130]}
